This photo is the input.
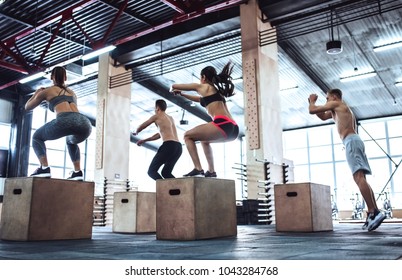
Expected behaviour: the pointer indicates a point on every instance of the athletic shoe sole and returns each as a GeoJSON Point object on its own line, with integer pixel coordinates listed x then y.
{"type": "Point", "coordinates": [376, 223]}
{"type": "Point", "coordinates": [76, 179]}
{"type": "Point", "coordinates": [43, 175]}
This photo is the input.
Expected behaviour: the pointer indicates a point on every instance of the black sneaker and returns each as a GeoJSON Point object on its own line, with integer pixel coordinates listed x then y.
{"type": "Point", "coordinates": [210, 174]}
{"type": "Point", "coordinates": [39, 172]}
{"type": "Point", "coordinates": [195, 173]}
{"type": "Point", "coordinates": [374, 220]}
{"type": "Point", "coordinates": [77, 176]}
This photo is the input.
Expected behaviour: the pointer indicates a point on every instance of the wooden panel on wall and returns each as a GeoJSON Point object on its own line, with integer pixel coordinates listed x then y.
{"type": "Point", "coordinates": [250, 88]}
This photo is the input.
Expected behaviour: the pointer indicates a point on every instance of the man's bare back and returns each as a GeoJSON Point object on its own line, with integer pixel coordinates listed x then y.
{"type": "Point", "coordinates": [171, 149]}
{"type": "Point", "coordinates": [165, 124]}
{"type": "Point", "coordinates": [167, 127]}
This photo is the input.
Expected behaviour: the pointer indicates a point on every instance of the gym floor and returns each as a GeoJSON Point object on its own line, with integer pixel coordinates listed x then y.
{"type": "Point", "coordinates": [253, 242]}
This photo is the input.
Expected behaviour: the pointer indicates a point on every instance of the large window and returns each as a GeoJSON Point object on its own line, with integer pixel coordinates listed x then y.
{"type": "Point", "coordinates": [319, 156]}
{"type": "Point", "coordinates": [5, 130]}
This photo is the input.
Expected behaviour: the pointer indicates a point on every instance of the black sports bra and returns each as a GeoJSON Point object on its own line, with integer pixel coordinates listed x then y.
{"type": "Point", "coordinates": [61, 98]}
{"type": "Point", "coordinates": [205, 101]}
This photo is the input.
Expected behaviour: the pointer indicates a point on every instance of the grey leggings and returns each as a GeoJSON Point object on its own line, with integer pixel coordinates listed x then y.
{"type": "Point", "coordinates": [75, 126]}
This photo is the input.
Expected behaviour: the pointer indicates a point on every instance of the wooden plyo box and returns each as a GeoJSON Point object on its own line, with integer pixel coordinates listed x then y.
{"type": "Point", "coordinates": [46, 209]}
{"type": "Point", "coordinates": [195, 208]}
{"type": "Point", "coordinates": [134, 212]}
{"type": "Point", "coordinates": [303, 207]}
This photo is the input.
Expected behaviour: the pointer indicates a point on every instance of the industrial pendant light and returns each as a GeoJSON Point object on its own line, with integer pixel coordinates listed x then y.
{"type": "Point", "coordinates": [333, 46]}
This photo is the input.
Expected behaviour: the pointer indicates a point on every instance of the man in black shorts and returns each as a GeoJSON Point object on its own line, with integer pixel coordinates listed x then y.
{"type": "Point", "coordinates": [170, 151]}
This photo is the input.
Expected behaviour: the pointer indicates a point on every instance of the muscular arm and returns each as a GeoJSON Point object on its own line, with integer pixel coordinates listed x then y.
{"type": "Point", "coordinates": [145, 124]}
{"type": "Point", "coordinates": [154, 137]}
{"type": "Point", "coordinates": [322, 111]}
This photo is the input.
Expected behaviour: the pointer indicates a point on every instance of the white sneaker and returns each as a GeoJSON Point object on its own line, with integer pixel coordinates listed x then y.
{"type": "Point", "coordinates": [77, 176]}
{"type": "Point", "coordinates": [374, 220]}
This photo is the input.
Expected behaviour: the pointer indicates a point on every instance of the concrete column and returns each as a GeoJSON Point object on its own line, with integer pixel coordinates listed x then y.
{"type": "Point", "coordinates": [261, 99]}
{"type": "Point", "coordinates": [112, 125]}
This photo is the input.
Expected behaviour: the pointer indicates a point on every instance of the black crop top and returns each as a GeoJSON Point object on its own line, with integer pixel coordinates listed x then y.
{"type": "Point", "coordinates": [205, 101]}
{"type": "Point", "coordinates": [61, 98]}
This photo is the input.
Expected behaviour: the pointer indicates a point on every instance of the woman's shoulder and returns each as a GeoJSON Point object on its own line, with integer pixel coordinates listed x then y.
{"type": "Point", "coordinates": [64, 88]}
{"type": "Point", "coordinates": [207, 90]}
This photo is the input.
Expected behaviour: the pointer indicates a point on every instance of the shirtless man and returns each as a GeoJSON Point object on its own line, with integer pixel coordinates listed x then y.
{"type": "Point", "coordinates": [171, 149]}
{"type": "Point", "coordinates": [345, 122]}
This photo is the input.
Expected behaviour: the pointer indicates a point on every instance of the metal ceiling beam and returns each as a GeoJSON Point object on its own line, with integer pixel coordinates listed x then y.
{"type": "Point", "coordinates": [277, 11]}
{"type": "Point", "coordinates": [134, 15]}
{"type": "Point", "coordinates": [176, 5]}
{"type": "Point", "coordinates": [49, 20]}
{"type": "Point", "coordinates": [114, 22]}
{"type": "Point", "coordinates": [10, 42]}
{"type": "Point", "coordinates": [293, 53]}
{"type": "Point", "coordinates": [50, 42]}
{"type": "Point", "coordinates": [68, 14]}
{"type": "Point", "coordinates": [61, 18]}
{"type": "Point", "coordinates": [182, 18]}
{"type": "Point", "coordinates": [13, 67]}
{"type": "Point", "coordinates": [9, 84]}
{"type": "Point", "coordinates": [30, 25]}
{"type": "Point", "coordinates": [17, 57]}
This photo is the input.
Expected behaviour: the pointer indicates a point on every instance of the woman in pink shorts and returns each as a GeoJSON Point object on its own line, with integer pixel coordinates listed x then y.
{"type": "Point", "coordinates": [212, 91]}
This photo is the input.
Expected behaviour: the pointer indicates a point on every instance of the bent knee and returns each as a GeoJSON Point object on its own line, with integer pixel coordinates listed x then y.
{"type": "Point", "coordinates": [205, 143]}
{"type": "Point", "coordinates": [188, 136]}
{"type": "Point", "coordinates": [359, 175]}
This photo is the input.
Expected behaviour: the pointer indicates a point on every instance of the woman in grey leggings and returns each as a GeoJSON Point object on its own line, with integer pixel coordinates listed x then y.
{"type": "Point", "coordinates": [69, 122]}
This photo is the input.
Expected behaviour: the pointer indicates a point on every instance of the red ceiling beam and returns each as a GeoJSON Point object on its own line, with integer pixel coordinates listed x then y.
{"type": "Point", "coordinates": [67, 13]}
{"type": "Point", "coordinates": [9, 84]}
{"type": "Point", "coordinates": [113, 24]}
{"type": "Point", "coordinates": [50, 42]}
{"type": "Point", "coordinates": [19, 59]}
{"type": "Point", "coordinates": [13, 67]}
{"type": "Point", "coordinates": [182, 18]}
{"type": "Point", "coordinates": [176, 5]}
{"type": "Point", "coordinates": [10, 42]}
{"type": "Point", "coordinates": [83, 31]}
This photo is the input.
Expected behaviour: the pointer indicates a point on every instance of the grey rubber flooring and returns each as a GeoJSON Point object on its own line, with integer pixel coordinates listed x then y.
{"type": "Point", "coordinates": [253, 242]}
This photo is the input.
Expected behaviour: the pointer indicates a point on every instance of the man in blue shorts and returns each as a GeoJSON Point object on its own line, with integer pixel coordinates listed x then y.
{"type": "Point", "coordinates": [345, 122]}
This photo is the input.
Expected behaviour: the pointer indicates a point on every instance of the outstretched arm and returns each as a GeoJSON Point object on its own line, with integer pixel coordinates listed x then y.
{"type": "Point", "coordinates": [177, 89]}
{"type": "Point", "coordinates": [145, 124]}
{"type": "Point", "coordinates": [154, 137]}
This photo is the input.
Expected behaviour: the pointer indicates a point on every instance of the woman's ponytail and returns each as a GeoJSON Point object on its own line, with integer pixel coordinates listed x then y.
{"type": "Point", "coordinates": [223, 81]}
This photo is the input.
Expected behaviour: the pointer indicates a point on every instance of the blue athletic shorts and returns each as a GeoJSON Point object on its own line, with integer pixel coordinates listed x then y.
{"type": "Point", "coordinates": [355, 154]}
